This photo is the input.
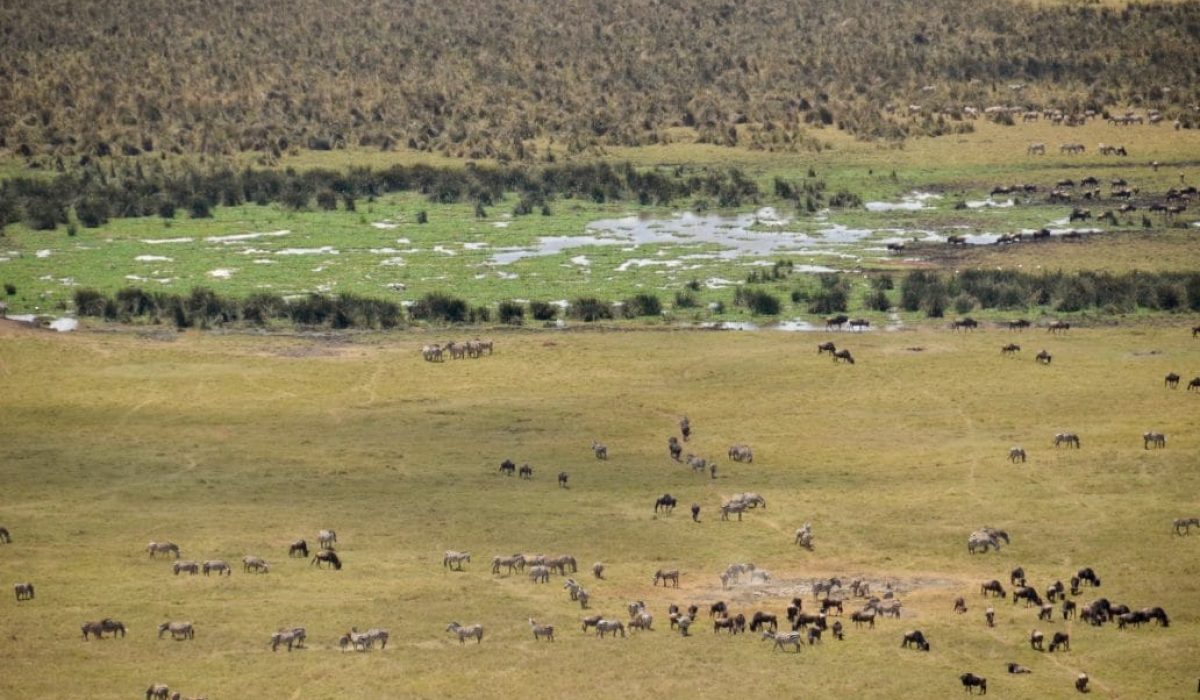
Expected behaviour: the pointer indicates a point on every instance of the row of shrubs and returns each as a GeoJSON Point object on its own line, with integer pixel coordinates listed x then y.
{"type": "Point", "coordinates": [97, 194]}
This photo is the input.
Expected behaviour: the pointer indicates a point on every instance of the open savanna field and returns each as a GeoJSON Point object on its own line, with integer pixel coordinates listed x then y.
{"type": "Point", "coordinates": [236, 444]}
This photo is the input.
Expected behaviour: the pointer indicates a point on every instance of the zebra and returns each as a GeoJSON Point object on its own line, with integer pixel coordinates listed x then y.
{"type": "Point", "coordinates": [179, 630]}
{"type": "Point", "coordinates": [674, 447]}
{"type": "Point", "coordinates": [685, 427]}
{"type": "Point", "coordinates": [24, 591]}
{"type": "Point", "coordinates": [738, 507]}
{"type": "Point", "coordinates": [741, 453]}
{"type": "Point", "coordinates": [684, 623]}
{"type": "Point", "coordinates": [454, 560]}
{"type": "Point", "coordinates": [980, 540]}
{"type": "Point", "coordinates": [99, 628]}
{"type": "Point", "coordinates": [1016, 454]}
{"type": "Point", "coordinates": [572, 587]}
{"type": "Point", "coordinates": [583, 597]}
{"type": "Point", "coordinates": [825, 586]}
{"type": "Point", "coordinates": [157, 691]}
{"type": "Point", "coordinates": [464, 633]}
{"type": "Point", "coordinates": [642, 621]}
{"type": "Point", "coordinates": [539, 574]}
{"type": "Point", "coordinates": [191, 567]}
{"type": "Point", "coordinates": [598, 569]}
{"type": "Point", "coordinates": [782, 639]}
{"type": "Point", "coordinates": [375, 634]}
{"type": "Point", "coordinates": [291, 637]}
{"type": "Point", "coordinates": [1183, 526]}
{"type": "Point", "coordinates": [636, 608]}
{"type": "Point", "coordinates": [1068, 439]}
{"type": "Point", "coordinates": [359, 641]}
{"type": "Point", "coordinates": [698, 464]}
{"type": "Point", "coordinates": [600, 450]}
{"type": "Point", "coordinates": [540, 631]}
{"type": "Point", "coordinates": [217, 565]}
{"type": "Point", "coordinates": [256, 563]}
{"type": "Point", "coordinates": [561, 562]}
{"type": "Point", "coordinates": [671, 575]}
{"type": "Point", "coordinates": [752, 500]}
{"type": "Point", "coordinates": [5, 538]}
{"type": "Point", "coordinates": [326, 539]}
{"type": "Point", "coordinates": [1152, 438]}
{"type": "Point", "coordinates": [162, 548]}
{"type": "Point", "coordinates": [605, 626]}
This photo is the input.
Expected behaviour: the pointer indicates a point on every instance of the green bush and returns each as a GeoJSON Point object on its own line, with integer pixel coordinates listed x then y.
{"type": "Point", "coordinates": [89, 302]}
{"type": "Point", "coordinates": [590, 309]}
{"type": "Point", "coordinates": [542, 311]}
{"type": "Point", "coordinates": [92, 212]}
{"type": "Point", "coordinates": [642, 305]}
{"type": "Point", "coordinates": [686, 300]}
{"type": "Point", "coordinates": [436, 306]}
{"type": "Point", "coordinates": [757, 301]}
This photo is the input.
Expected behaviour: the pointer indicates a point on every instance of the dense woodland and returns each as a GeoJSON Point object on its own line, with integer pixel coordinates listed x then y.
{"type": "Point", "coordinates": [528, 80]}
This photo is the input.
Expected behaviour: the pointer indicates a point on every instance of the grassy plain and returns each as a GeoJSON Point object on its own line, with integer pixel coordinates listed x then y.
{"type": "Point", "coordinates": [237, 444]}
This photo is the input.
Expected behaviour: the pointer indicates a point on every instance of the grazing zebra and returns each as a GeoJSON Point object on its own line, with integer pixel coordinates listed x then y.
{"type": "Point", "coordinates": [298, 548]}
{"type": "Point", "coordinates": [464, 633]}
{"type": "Point", "coordinates": [5, 538]}
{"type": "Point", "coordinates": [980, 540]}
{"type": "Point", "coordinates": [643, 621]}
{"type": "Point", "coordinates": [751, 499]}
{"type": "Point", "coordinates": [327, 556]}
{"type": "Point", "coordinates": [674, 447]}
{"type": "Point", "coordinates": [598, 570]}
{"type": "Point", "coordinates": [358, 641]}
{"type": "Point", "coordinates": [454, 560]}
{"type": "Point", "coordinates": [1016, 454]}
{"type": "Point", "coordinates": [191, 567]}
{"type": "Point", "coordinates": [971, 681]}
{"type": "Point", "coordinates": [326, 539]}
{"type": "Point", "coordinates": [517, 561]}
{"type": "Point", "coordinates": [1172, 381]}
{"type": "Point", "coordinates": [600, 450]}
{"type": "Point", "coordinates": [1068, 439]}
{"type": "Point", "coordinates": [1010, 349]}
{"type": "Point", "coordinates": [293, 637]}
{"type": "Point", "coordinates": [539, 574]}
{"type": "Point", "coordinates": [158, 691]}
{"type": "Point", "coordinates": [782, 639]}
{"type": "Point", "coordinates": [162, 548]}
{"type": "Point", "coordinates": [605, 626]}
{"type": "Point", "coordinates": [1152, 438]}
{"type": "Point", "coordinates": [431, 353]}
{"type": "Point", "coordinates": [99, 628]}
{"type": "Point", "coordinates": [24, 591]}
{"type": "Point", "coordinates": [804, 537]}
{"type": "Point", "coordinates": [671, 575]}
{"type": "Point", "coordinates": [540, 631]}
{"type": "Point", "coordinates": [562, 480]}
{"type": "Point", "coordinates": [825, 586]}
{"type": "Point", "coordinates": [525, 472]}
{"type": "Point", "coordinates": [741, 453]}
{"type": "Point", "coordinates": [738, 507]}
{"type": "Point", "coordinates": [1185, 524]}
{"type": "Point", "coordinates": [1043, 357]}
{"type": "Point", "coordinates": [562, 562]}
{"type": "Point", "coordinates": [698, 464]}
{"type": "Point", "coordinates": [179, 630]}
{"type": "Point", "coordinates": [250, 562]}
{"type": "Point", "coordinates": [217, 565]}
{"type": "Point", "coordinates": [915, 638]}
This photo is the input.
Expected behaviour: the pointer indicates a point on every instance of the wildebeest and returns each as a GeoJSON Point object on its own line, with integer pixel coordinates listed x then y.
{"type": "Point", "coordinates": [191, 567]}
{"type": "Point", "coordinates": [741, 453]}
{"type": "Point", "coordinates": [895, 247]}
{"type": "Point", "coordinates": [1056, 326]}
{"type": "Point", "coordinates": [1010, 349]}
{"type": "Point", "coordinates": [219, 566]}
{"type": "Point", "coordinates": [1028, 594]}
{"type": "Point", "coordinates": [956, 240]}
{"type": "Point", "coordinates": [1158, 615]}
{"type": "Point", "coordinates": [761, 620]}
{"type": "Point", "coordinates": [831, 604]}
{"type": "Point", "coordinates": [967, 323]}
{"type": "Point", "coordinates": [674, 447]}
{"type": "Point", "coordinates": [960, 605]}
{"type": "Point", "coordinates": [98, 629]}
{"type": "Point", "coordinates": [540, 631]}
{"type": "Point", "coordinates": [1017, 576]}
{"type": "Point", "coordinates": [1068, 439]}
{"type": "Point", "coordinates": [718, 607]}
{"type": "Point", "coordinates": [1081, 683]}
{"type": "Point", "coordinates": [525, 472]}
{"type": "Point", "coordinates": [783, 639]}
{"type": "Point", "coordinates": [1172, 381]}
{"type": "Point", "coordinates": [327, 556]}
{"type": "Point", "coordinates": [1019, 324]}
{"type": "Point", "coordinates": [666, 502]}
{"type": "Point", "coordinates": [23, 591]}
{"type": "Point", "coordinates": [696, 512]}
{"type": "Point", "coordinates": [685, 428]}
{"type": "Point", "coordinates": [989, 615]}
{"type": "Point", "coordinates": [1089, 575]}
{"type": "Point", "coordinates": [1017, 668]}
{"type": "Point", "coordinates": [452, 559]}
{"type": "Point", "coordinates": [866, 615]}
{"type": "Point", "coordinates": [508, 467]}
{"type": "Point", "coordinates": [803, 619]}
{"type": "Point", "coordinates": [859, 323]}
{"type": "Point", "coordinates": [843, 355]}
{"type": "Point", "coordinates": [971, 681]}
{"type": "Point", "coordinates": [158, 691]}
{"type": "Point", "coordinates": [465, 633]}
{"type": "Point", "coordinates": [1153, 438]}
{"type": "Point", "coordinates": [915, 638]}
{"type": "Point", "coordinates": [1194, 384]}
{"type": "Point", "coordinates": [836, 321]}
{"type": "Point", "coordinates": [562, 479]}
{"type": "Point", "coordinates": [326, 539]}
{"type": "Point", "coordinates": [1043, 358]}
{"type": "Point", "coordinates": [1068, 608]}
{"type": "Point", "coordinates": [298, 548]}
{"type": "Point", "coordinates": [1060, 639]}
{"type": "Point", "coordinates": [179, 630]}
{"type": "Point", "coordinates": [600, 450]}
{"type": "Point", "coordinates": [827, 347]}
{"type": "Point", "coordinates": [253, 563]}
{"type": "Point", "coordinates": [5, 538]}
{"type": "Point", "coordinates": [1016, 454]}
{"type": "Point", "coordinates": [292, 637]}
{"type": "Point", "coordinates": [666, 575]}
{"type": "Point", "coordinates": [1185, 525]}
{"type": "Point", "coordinates": [610, 626]}
{"type": "Point", "coordinates": [162, 548]}
{"type": "Point", "coordinates": [994, 588]}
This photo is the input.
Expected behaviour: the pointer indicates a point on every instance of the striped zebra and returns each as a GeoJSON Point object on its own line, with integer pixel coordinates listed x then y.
{"type": "Point", "coordinates": [540, 631]}
{"type": "Point", "coordinates": [539, 574]}
{"type": "Point", "coordinates": [738, 507]}
{"type": "Point", "coordinates": [642, 621]}
{"type": "Point", "coordinates": [162, 548]}
{"type": "Point", "coordinates": [358, 641]}
{"type": "Point", "coordinates": [610, 626]}
{"type": "Point", "coordinates": [293, 637]}
{"type": "Point", "coordinates": [981, 541]}
{"type": "Point", "coordinates": [561, 562]}
{"type": "Point", "coordinates": [258, 564]}
{"type": "Point", "coordinates": [782, 639]}
{"type": "Point", "coordinates": [1016, 454]}
{"type": "Point", "coordinates": [191, 567]}
{"type": "Point", "coordinates": [454, 560]}
{"type": "Point", "coordinates": [218, 565]}
{"type": "Point", "coordinates": [1068, 439]}
{"type": "Point", "coordinates": [1155, 439]}
{"type": "Point", "coordinates": [671, 575]}
{"type": "Point", "coordinates": [326, 539]}
{"type": "Point", "coordinates": [1183, 526]}
{"type": "Point", "coordinates": [178, 630]}
{"type": "Point", "coordinates": [514, 562]}
{"type": "Point", "coordinates": [600, 450]}
{"type": "Point", "coordinates": [464, 633]}
{"type": "Point", "coordinates": [157, 691]}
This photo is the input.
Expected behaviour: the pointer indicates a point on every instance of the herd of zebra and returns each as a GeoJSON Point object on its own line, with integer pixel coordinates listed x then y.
{"type": "Point", "coordinates": [456, 351]}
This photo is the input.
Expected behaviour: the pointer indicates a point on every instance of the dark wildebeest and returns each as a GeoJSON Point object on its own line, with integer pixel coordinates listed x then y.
{"type": "Point", "coordinates": [666, 502]}
{"type": "Point", "coordinates": [762, 619]}
{"type": "Point", "coordinates": [827, 347]}
{"type": "Point", "coordinates": [843, 355]}
{"type": "Point", "coordinates": [1060, 639]}
{"type": "Point", "coordinates": [915, 638]}
{"type": "Point", "coordinates": [327, 556]}
{"type": "Point", "coordinates": [859, 323]}
{"type": "Point", "coordinates": [718, 607]}
{"type": "Point", "coordinates": [508, 467]}
{"type": "Point", "coordinates": [99, 628]}
{"type": "Point", "coordinates": [696, 512]}
{"type": "Point", "coordinates": [1194, 384]}
{"type": "Point", "coordinates": [1081, 683]}
{"type": "Point", "coordinates": [675, 448]}
{"type": "Point", "coordinates": [562, 479]}
{"type": "Point", "coordinates": [1068, 608]}
{"type": "Point", "coordinates": [1172, 381]}
{"type": "Point", "coordinates": [956, 240]}
{"type": "Point", "coordinates": [1017, 576]}
{"type": "Point", "coordinates": [967, 323]}
{"type": "Point", "coordinates": [298, 548]}
{"type": "Point", "coordinates": [1057, 326]}
{"type": "Point", "coordinates": [971, 681]}
{"type": "Point", "coordinates": [685, 427]}
{"type": "Point", "coordinates": [1043, 357]}
{"type": "Point", "coordinates": [5, 538]}
{"type": "Point", "coordinates": [1028, 594]}
{"type": "Point", "coordinates": [525, 472]}
{"type": "Point", "coordinates": [1018, 325]}
{"type": "Point", "coordinates": [24, 591]}
{"type": "Point", "coordinates": [994, 588]}
{"type": "Point", "coordinates": [836, 321]}
{"type": "Point", "coordinates": [1017, 668]}
{"type": "Point", "coordinates": [960, 605]}
{"type": "Point", "coordinates": [1010, 349]}
{"type": "Point", "coordinates": [1087, 574]}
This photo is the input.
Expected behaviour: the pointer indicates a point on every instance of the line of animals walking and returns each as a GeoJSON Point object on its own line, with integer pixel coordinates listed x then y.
{"type": "Point", "coordinates": [474, 349]}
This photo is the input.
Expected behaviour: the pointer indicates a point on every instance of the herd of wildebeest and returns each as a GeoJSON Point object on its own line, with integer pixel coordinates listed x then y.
{"type": "Point", "coordinates": [830, 598]}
